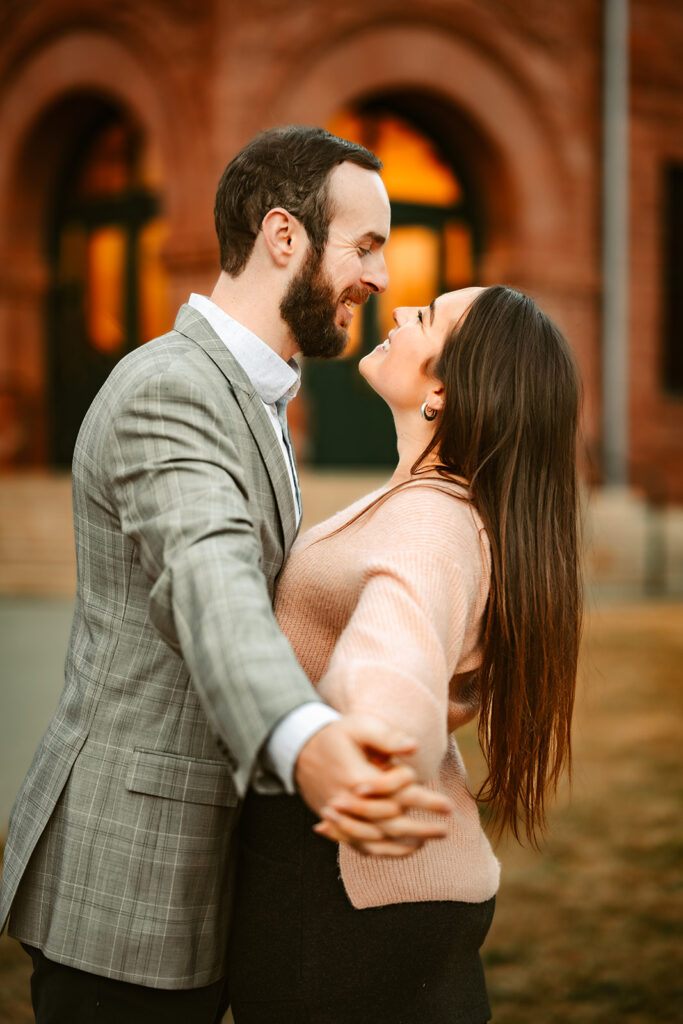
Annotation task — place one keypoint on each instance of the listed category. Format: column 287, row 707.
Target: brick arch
column 514, row 151
column 90, row 61
column 76, row 67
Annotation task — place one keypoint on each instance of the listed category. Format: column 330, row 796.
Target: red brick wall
column 517, row 83
column 656, row 140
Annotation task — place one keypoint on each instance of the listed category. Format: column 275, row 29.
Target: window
column 432, row 249
column 673, row 281
column 109, row 288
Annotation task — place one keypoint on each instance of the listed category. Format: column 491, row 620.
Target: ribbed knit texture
column 385, row 618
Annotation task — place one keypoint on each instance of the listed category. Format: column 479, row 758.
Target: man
column 180, row 690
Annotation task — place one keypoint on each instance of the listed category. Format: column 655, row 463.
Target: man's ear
column 283, row 235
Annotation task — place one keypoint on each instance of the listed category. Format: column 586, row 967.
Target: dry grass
column 588, row 931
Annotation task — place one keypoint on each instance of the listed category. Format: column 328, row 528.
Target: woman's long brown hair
column 509, row 426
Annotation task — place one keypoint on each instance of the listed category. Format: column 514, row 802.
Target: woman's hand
column 362, row 795
column 375, row 821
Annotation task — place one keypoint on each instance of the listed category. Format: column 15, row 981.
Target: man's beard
column 309, row 307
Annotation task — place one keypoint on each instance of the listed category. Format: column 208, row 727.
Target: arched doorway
column 58, row 90
column 107, row 289
column 521, row 167
column 434, row 247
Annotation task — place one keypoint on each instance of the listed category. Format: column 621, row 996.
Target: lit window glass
column 431, row 249
column 353, row 345
column 459, row 269
column 413, row 170
column 154, row 308
column 413, row 265
column 105, row 288
column 428, row 250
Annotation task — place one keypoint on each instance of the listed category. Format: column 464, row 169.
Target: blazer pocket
column 177, row 777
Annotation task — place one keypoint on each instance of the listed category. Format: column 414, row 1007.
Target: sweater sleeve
column 400, row 648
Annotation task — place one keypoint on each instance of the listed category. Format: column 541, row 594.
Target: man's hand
column 344, row 773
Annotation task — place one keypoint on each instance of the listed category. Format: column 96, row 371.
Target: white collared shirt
column 275, row 382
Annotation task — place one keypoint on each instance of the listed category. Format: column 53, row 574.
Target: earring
column 428, row 413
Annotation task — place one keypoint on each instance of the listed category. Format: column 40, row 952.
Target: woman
column 451, row 592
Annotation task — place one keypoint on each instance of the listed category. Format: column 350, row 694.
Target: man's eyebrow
column 432, row 311
column 373, row 237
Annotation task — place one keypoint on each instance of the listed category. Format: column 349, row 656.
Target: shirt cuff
column 292, row 733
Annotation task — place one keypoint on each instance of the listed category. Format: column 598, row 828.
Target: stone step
column 631, row 548
column 36, row 534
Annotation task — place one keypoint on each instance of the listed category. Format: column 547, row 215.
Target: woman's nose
column 401, row 314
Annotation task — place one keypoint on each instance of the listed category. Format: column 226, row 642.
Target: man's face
column 319, row 303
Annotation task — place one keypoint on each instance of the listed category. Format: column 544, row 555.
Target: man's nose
column 376, row 275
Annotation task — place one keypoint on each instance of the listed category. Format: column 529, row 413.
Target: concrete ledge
column 36, row 534
column 632, row 549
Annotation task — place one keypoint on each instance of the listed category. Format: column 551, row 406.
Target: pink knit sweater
column 385, row 617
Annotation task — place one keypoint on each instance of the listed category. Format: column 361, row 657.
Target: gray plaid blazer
column 120, row 848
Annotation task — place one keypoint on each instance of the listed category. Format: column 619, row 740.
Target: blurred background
column 536, row 143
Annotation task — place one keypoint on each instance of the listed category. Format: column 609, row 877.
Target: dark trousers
column 301, row 954
column 65, row 995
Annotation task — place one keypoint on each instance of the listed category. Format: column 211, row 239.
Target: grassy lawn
column 588, row 930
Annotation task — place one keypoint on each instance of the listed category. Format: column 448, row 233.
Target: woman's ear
column 283, row 235
column 436, row 397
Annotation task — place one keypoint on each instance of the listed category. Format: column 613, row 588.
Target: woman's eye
column 419, row 316
column 364, row 252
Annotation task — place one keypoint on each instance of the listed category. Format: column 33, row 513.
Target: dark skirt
column 302, row 954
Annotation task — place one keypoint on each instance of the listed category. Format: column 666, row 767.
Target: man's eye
column 419, row 316
column 363, row 252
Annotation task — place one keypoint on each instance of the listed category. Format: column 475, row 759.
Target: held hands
column 346, row 775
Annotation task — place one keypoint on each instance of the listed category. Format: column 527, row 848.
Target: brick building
column 116, row 120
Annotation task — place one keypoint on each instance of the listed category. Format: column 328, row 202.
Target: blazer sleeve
column 400, row 648
column 179, row 489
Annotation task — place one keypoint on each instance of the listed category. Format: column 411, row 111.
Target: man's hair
column 287, row 167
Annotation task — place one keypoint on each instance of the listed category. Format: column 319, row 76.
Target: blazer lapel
column 262, row 430
column 193, row 325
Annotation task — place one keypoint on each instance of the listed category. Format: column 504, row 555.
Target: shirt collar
column 272, row 377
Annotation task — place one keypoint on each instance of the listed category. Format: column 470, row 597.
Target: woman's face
column 400, row 368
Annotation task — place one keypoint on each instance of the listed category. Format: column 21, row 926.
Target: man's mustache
column 357, row 295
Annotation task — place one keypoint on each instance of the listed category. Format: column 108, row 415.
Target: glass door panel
column 431, row 249
column 413, row 258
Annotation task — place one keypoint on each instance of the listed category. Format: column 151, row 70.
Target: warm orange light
column 459, row 257
column 419, row 258
column 412, row 256
column 413, row 170
column 155, row 317
column 105, row 288
column 355, row 333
